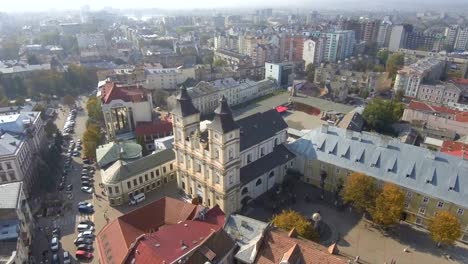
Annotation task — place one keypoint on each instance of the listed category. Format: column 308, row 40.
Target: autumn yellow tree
column 91, row 139
column 361, row 190
column 388, row 205
column 290, row 219
column 445, row 228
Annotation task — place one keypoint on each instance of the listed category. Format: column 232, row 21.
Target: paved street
column 358, row 238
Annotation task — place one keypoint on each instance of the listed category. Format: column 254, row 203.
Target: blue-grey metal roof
column 9, row 144
column 436, row 174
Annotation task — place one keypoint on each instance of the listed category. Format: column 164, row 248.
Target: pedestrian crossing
column 70, row 220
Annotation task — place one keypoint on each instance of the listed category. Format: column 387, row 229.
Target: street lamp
column 316, row 217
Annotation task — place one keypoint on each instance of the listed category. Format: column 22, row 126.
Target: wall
column 435, row 122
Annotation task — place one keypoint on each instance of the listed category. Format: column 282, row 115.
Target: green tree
column 93, row 107
column 219, row 63
column 10, row 48
column 382, row 56
column 360, row 190
column 394, row 63
column 310, row 72
column 381, row 114
column 445, row 228
column 399, row 94
column 388, row 205
column 91, row 139
column 50, row 129
column 290, row 219
column 50, row 38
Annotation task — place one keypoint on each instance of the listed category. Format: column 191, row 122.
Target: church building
column 228, row 162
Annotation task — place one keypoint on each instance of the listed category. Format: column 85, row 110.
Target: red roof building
column 127, row 93
column 164, row 221
column 454, row 148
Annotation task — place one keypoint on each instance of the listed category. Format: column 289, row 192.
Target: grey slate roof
column 247, row 232
column 259, row 127
column 223, row 121
column 9, row 144
column 279, row 156
column 9, row 195
column 122, row 170
column 184, row 106
column 438, row 175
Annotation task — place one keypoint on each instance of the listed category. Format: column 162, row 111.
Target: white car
column 87, row 189
column 86, row 234
column 54, row 244
column 85, row 204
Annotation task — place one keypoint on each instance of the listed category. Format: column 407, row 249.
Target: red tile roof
column 153, row 128
column 462, row 117
column 459, row 80
column 130, row 93
column 277, row 246
column 454, row 148
column 420, row 106
column 115, row 238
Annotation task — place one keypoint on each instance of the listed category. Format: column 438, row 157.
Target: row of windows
column 422, row 210
column 425, row 200
column 11, row 175
column 152, row 174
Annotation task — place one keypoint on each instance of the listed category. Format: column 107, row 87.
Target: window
column 216, row 153
column 109, row 190
column 135, row 183
column 198, row 167
column 244, row 191
column 152, row 174
column 217, row 178
column 231, row 179
column 271, row 175
column 153, row 185
column 171, row 167
column 141, row 179
column 146, row 177
column 157, row 172
column 249, row 158
column 409, row 194
column 259, row 181
column 129, row 184
column 276, row 142
column 3, row 176
column 158, row 183
column 12, row 175
column 460, row 211
column 425, row 199
column 117, row 189
column 230, row 154
column 261, row 152
column 440, row 204
column 164, row 169
column 422, row 210
column 1, row 167
column 337, row 170
column 8, row 164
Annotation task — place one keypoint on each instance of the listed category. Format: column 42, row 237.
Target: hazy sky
column 40, row 5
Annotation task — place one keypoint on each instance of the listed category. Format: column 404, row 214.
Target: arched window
column 244, row 191
column 271, row 175
column 259, row 181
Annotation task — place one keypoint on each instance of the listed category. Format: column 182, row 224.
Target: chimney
column 292, row 233
column 333, row 249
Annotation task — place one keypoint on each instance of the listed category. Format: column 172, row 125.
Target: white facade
column 169, row 78
column 397, row 38
column 383, row 35
column 461, row 42
column 451, row 34
column 308, row 54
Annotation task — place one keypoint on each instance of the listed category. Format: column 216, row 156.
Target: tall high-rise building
column 314, row 50
column 339, row 45
column 461, row 43
column 351, row 24
column 451, row 33
column 384, row 32
column 398, row 37
column 369, row 30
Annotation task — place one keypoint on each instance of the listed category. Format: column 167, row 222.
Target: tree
column 399, row 95
column 93, row 107
column 382, row 56
column 290, row 219
column 394, row 63
column 388, row 205
column 361, row 190
column 33, row 60
column 310, row 71
column 50, row 129
column 208, row 58
column 68, row 100
column 445, row 228
column 381, row 114
column 219, row 63
column 160, row 98
column 91, row 139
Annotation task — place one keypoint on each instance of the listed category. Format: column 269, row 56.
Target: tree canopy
column 91, row 139
column 394, row 63
column 310, row 71
column 290, row 219
column 445, row 228
column 389, row 205
column 93, row 107
column 361, row 190
column 381, row 114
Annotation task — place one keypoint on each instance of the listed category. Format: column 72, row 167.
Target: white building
column 231, row 162
column 461, row 43
column 169, row 78
column 313, row 51
column 21, row 139
column 282, row 73
column 410, row 77
column 451, row 33
column 383, row 35
column 16, row 224
column 397, row 38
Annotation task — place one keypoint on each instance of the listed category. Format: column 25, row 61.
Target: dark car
column 86, row 178
column 66, row 257
column 85, row 247
column 85, row 209
column 69, row 187
column 55, row 259
column 82, row 240
column 61, row 186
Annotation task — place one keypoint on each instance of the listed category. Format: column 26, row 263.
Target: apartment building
column 461, row 42
column 439, row 93
column 124, row 179
column 229, row 162
column 21, row 139
column 233, row 59
column 16, row 224
column 431, row 181
column 339, row 45
column 411, row 77
column 451, row 33
column 383, row 35
column 313, row 51
column 168, row 78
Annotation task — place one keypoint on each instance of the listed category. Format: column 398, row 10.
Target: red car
column 81, row 254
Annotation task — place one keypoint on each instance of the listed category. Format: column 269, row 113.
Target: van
column 137, row 198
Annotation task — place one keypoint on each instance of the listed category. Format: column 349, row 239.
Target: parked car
column 85, row 210
column 61, row 186
column 85, row 247
column 83, row 240
column 86, row 183
column 69, row 187
column 55, row 259
column 66, row 257
column 87, row 189
column 86, row 222
column 54, row 244
column 86, row 234
column 83, row 227
column 87, row 204
column 85, row 255
column 86, row 178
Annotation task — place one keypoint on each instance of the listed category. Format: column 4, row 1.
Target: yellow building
column 432, row 181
